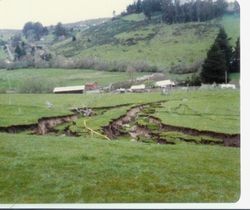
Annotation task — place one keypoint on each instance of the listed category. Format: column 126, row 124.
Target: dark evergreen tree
column 19, row 52
column 214, row 68
column 139, row 6
column 60, row 30
column 223, row 42
column 173, row 11
column 147, row 8
column 235, row 63
column 73, row 38
column 168, row 11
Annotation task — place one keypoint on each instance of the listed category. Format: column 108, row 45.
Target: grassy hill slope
column 132, row 39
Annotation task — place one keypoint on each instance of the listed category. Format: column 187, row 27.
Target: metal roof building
column 70, row 89
column 164, row 83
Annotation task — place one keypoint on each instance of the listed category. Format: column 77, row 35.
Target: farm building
column 165, row 84
column 138, row 88
column 69, row 90
column 91, row 86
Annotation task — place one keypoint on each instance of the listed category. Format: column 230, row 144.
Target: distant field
column 13, row 79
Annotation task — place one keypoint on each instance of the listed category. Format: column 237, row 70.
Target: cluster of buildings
column 94, row 88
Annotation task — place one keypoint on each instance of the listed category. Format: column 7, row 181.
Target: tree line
column 34, row 31
column 174, row 11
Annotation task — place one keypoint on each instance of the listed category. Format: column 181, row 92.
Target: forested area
column 178, row 12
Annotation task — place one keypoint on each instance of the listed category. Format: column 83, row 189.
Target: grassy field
column 76, row 170
column 59, row 169
column 27, row 108
column 215, row 111
column 16, row 79
column 212, row 110
column 131, row 39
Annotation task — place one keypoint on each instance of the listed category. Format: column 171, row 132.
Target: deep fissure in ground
column 137, row 123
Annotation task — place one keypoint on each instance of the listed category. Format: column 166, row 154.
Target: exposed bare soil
column 124, row 125
column 116, row 128
column 42, row 127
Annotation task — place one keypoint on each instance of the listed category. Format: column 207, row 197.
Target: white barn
column 69, row 89
column 138, row 88
column 165, row 83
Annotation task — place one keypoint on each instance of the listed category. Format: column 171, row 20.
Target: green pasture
column 132, row 39
column 27, row 108
column 76, row 170
column 17, row 79
column 59, row 169
column 217, row 110
column 214, row 111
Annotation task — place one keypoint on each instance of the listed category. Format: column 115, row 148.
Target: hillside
column 132, row 39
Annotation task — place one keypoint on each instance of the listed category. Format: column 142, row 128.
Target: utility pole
column 226, row 77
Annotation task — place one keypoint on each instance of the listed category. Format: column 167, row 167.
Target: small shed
column 91, row 86
column 138, row 88
column 69, row 90
column 165, row 84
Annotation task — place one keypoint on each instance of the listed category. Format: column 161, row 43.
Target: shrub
column 36, row 85
column 186, row 69
column 195, row 80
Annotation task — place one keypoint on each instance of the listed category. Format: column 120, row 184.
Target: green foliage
column 19, row 52
column 223, row 43
column 175, row 12
column 34, row 31
column 128, row 41
column 235, row 65
column 60, row 30
column 218, row 60
column 195, row 80
column 214, row 67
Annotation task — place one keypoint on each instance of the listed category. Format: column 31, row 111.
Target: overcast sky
column 15, row 13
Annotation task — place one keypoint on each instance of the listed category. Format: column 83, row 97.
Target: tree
column 60, row 30
column 73, row 38
column 139, row 6
column 214, row 68
column 34, row 31
column 147, row 8
column 235, row 63
column 223, row 42
column 19, row 51
column 218, row 61
column 168, row 9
